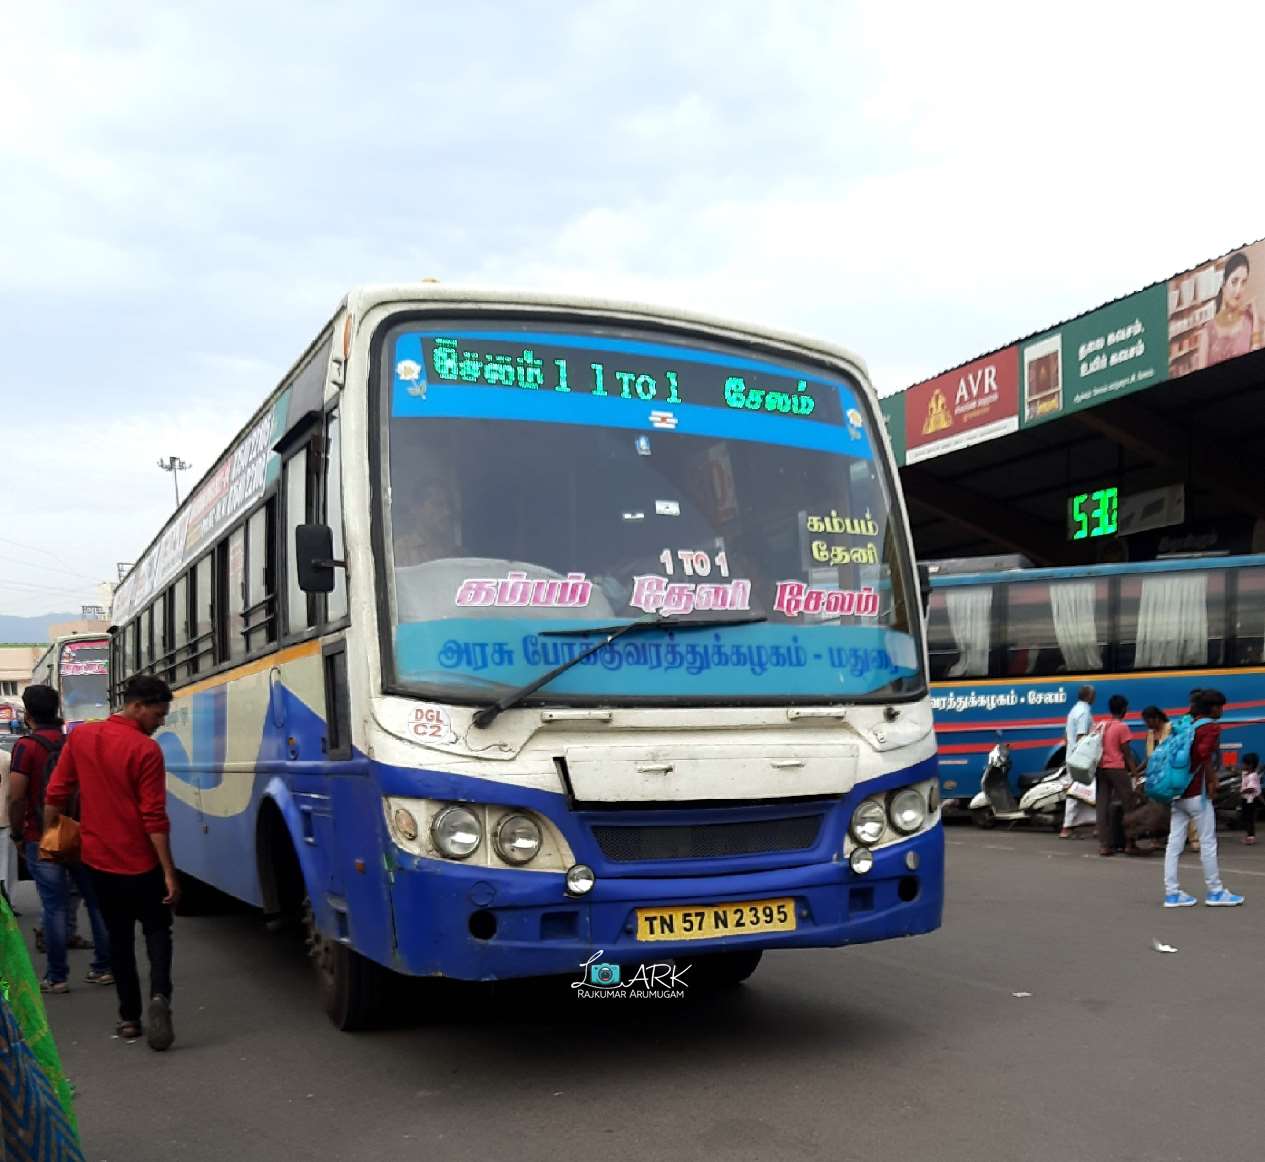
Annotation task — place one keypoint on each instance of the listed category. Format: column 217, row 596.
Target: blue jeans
column 52, row 882
column 1198, row 810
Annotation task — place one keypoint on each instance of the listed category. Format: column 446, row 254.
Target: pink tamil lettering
column 794, row 597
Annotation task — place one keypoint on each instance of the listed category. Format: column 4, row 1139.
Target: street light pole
column 175, row 466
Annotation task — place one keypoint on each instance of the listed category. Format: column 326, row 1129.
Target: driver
column 426, row 513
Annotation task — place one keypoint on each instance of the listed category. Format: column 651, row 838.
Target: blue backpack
column 1168, row 771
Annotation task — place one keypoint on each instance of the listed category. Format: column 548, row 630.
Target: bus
column 524, row 636
column 77, row 666
column 1010, row 649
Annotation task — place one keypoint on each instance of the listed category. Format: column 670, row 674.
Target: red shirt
column 122, row 791
column 1205, row 757
column 30, row 758
column 1115, row 737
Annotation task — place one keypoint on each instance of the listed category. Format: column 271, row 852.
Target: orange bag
column 60, row 843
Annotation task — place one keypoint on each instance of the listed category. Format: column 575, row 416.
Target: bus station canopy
column 1131, row 432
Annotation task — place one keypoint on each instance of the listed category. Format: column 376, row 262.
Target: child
column 1251, row 791
column 1195, row 805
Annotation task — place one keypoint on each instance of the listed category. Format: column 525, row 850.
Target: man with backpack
column 31, row 766
column 1200, row 733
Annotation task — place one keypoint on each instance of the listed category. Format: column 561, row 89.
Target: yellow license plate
column 708, row 921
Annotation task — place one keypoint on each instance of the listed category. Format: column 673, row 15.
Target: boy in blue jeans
column 1195, row 806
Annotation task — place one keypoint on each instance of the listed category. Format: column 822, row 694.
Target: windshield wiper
column 488, row 714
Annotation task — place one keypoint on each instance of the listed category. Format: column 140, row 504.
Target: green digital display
column 1093, row 514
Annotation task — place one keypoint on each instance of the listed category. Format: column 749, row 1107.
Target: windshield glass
column 540, row 479
column 85, row 681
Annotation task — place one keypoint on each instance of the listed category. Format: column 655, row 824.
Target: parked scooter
column 1041, row 796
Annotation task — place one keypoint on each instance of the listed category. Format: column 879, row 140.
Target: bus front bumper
column 475, row 923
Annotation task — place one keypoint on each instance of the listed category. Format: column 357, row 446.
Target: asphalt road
column 919, row 1048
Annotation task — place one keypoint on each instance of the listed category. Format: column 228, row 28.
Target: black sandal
column 129, row 1031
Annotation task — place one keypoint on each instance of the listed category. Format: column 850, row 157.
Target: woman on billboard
column 1233, row 330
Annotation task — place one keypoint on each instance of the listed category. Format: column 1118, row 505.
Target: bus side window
column 235, row 591
column 259, row 615
column 202, row 629
column 1249, row 618
column 959, row 631
column 1171, row 619
column 179, row 615
column 146, row 658
column 299, row 612
column 160, row 634
column 332, row 492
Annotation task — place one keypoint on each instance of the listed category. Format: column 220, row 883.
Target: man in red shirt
column 118, row 770
column 53, row 881
column 1115, row 771
column 1195, row 805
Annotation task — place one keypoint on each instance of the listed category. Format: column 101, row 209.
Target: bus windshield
column 83, row 670
column 540, row 480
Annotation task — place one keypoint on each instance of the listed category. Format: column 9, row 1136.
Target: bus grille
column 707, row 840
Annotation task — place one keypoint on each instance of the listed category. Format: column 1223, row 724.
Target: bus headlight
column 869, row 821
column 518, row 839
column 861, row 860
column 456, row 831
column 908, row 811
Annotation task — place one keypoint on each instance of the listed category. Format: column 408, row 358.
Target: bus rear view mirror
column 314, row 558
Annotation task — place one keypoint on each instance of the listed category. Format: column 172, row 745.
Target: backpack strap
column 51, row 750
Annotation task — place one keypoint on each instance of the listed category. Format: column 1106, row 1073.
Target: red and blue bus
column 1010, row 649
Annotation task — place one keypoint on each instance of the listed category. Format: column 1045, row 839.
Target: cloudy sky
column 187, row 190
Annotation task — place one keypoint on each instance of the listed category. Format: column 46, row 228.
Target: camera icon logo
column 604, row 975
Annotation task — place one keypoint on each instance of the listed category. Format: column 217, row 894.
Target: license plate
column 708, row 921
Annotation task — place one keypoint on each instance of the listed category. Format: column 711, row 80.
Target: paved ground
column 913, row 1049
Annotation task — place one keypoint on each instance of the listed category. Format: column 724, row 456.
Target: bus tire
column 351, row 986
column 725, row 970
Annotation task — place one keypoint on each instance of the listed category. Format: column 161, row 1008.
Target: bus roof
column 1074, row 572
column 361, row 300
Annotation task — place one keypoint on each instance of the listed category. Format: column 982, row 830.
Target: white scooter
column 1041, row 796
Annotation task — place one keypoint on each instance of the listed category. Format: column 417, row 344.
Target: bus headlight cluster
column 892, row 817
column 489, row 835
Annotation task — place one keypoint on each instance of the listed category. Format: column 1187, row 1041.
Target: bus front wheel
column 351, row 986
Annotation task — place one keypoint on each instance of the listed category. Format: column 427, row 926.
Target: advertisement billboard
column 974, row 403
column 1107, row 353
column 1216, row 311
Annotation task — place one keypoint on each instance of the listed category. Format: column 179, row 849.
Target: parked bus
column 1009, row 651
column 77, row 666
column 518, row 634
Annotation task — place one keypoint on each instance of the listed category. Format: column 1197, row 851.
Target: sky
column 186, row 192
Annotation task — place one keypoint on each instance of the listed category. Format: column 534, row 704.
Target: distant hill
column 31, row 629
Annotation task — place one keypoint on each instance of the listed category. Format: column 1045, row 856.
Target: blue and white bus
column 1009, row 651
column 516, row 630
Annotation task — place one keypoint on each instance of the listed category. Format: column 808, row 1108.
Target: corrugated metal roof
column 1072, row 318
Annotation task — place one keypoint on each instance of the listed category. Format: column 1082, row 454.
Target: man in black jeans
column 118, row 770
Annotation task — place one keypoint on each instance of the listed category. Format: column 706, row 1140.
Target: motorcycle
column 1041, row 796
